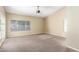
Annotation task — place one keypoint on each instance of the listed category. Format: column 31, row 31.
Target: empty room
column 39, row 29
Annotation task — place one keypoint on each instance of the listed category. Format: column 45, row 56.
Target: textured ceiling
column 31, row 10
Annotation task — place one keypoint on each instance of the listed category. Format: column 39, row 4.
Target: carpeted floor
column 35, row 43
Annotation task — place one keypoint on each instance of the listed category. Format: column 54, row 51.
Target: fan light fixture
column 37, row 11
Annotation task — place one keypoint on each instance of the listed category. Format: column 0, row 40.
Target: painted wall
column 55, row 23
column 3, row 26
column 36, row 23
column 73, row 26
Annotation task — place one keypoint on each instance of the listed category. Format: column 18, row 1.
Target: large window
column 20, row 25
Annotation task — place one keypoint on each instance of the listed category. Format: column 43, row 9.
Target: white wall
column 73, row 26
column 37, row 25
column 55, row 23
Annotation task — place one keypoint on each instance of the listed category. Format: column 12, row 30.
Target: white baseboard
column 1, row 43
column 25, row 35
column 56, row 35
column 72, row 48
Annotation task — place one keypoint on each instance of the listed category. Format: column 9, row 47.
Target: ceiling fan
column 38, row 10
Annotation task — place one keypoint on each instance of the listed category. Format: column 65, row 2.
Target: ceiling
column 31, row 10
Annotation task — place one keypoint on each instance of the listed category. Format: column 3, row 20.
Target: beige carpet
column 35, row 43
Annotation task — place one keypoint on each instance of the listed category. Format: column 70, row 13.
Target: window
column 20, row 25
